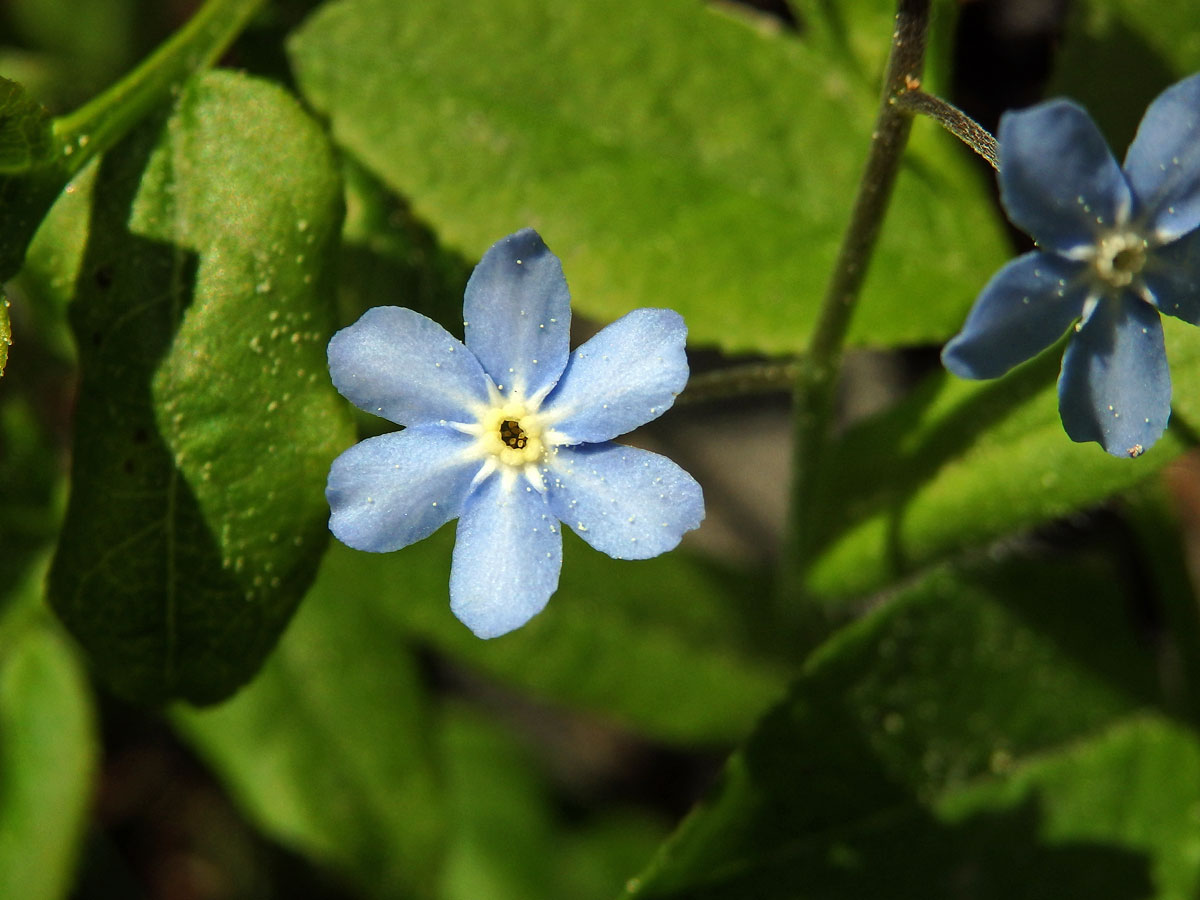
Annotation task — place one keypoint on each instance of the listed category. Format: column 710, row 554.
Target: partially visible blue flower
column 510, row 434
column 1119, row 245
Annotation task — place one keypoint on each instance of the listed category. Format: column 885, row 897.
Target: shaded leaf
column 205, row 421
column 926, row 751
column 31, row 172
column 48, row 750
column 510, row 840
column 669, row 154
column 672, row 646
column 26, row 139
column 1118, row 55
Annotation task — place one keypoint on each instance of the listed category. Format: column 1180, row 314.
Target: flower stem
column 817, row 372
column 105, row 119
column 954, row 120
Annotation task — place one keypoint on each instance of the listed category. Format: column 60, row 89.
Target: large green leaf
column 671, row 155
column 986, row 736
column 205, row 422
column 48, row 750
column 969, row 462
column 673, row 646
column 330, row 749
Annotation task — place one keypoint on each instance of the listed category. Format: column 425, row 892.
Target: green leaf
column 330, row 748
column 26, row 138
column 927, row 751
column 38, row 156
column 390, row 258
column 205, row 421
column 48, row 750
column 1117, row 55
column 30, row 174
column 970, row 462
column 671, row 155
column 673, row 646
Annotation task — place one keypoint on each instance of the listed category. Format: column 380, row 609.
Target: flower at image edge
column 510, row 433
column 1118, row 245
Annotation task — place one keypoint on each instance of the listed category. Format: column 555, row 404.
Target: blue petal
column 1024, row 309
column 506, row 559
column 518, row 314
column 1163, row 162
column 1115, row 388
column 628, row 503
column 1172, row 274
column 398, row 364
column 395, row 489
column 1058, row 179
column 626, row 375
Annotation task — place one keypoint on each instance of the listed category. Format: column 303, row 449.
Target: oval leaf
column 205, row 421
column 671, row 155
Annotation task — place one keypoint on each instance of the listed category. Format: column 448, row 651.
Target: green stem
column 105, row 119
column 955, row 121
column 817, row 374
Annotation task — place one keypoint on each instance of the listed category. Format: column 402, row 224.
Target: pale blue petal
column 398, row 364
column 1115, row 388
column 1172, row 274
column 626, row 375
column 517, row 314
column 506, row 557
column 1024, row 309
column 1058, row 179
column 628, row 503
column 395, row 489
column 1163, row 162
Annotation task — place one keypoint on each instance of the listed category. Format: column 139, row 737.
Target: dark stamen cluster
column 513, row 435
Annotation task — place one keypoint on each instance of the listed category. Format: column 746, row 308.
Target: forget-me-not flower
column 1118, row 245
column 511, row 434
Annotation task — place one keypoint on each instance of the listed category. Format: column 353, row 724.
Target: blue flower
column 1119, row 245
column 510, row 433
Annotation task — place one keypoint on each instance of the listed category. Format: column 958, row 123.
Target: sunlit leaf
column 669, row 154
column 205, row 422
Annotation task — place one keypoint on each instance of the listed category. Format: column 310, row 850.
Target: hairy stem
column 817, row 371
column 954, row 120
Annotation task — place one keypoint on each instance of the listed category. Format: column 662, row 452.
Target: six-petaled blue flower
column 1118, row 246
column 510, row 434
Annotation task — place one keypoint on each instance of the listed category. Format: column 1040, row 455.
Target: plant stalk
column 817, row 370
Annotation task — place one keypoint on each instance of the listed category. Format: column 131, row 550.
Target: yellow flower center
column 512, row 435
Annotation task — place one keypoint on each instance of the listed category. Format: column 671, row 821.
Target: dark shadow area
column 826, row 821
